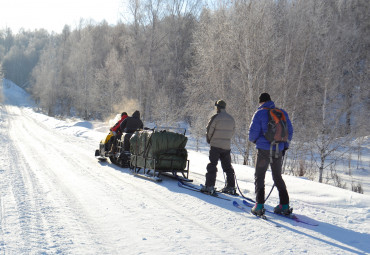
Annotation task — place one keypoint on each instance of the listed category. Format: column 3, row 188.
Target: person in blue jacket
column 257, row 130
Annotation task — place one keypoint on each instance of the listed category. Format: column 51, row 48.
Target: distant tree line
column 175, row 58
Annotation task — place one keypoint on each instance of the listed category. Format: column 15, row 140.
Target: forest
column 173, row 59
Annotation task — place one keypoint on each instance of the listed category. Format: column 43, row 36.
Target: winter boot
column 283, row 209
column 210, row 190
column 258, row 209
column 229, row 190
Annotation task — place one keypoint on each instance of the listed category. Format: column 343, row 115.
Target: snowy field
column 56, row 198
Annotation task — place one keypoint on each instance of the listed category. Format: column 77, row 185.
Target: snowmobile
column 153, row 152
column 119, row 153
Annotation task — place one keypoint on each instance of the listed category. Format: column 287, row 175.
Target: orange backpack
column 277, row 129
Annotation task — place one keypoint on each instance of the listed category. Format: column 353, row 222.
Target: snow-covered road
column 56, row 198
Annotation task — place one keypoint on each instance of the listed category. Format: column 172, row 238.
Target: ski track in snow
column 56, row 198
column 32, row 195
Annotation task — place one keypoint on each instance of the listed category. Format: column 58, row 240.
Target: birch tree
column 44, row 87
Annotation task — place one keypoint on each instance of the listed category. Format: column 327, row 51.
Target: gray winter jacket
column 220, row 130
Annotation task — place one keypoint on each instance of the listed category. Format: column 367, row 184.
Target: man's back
column 131, row 124
column 221, row 129
column 259, row 127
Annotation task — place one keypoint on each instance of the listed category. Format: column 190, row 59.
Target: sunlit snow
column 56, row 198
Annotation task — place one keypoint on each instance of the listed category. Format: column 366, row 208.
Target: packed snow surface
column 57, row 198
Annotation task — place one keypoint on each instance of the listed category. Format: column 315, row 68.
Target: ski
column 238, row 195
column 237, row 205
column 261, row 217
column 197, row 189
column 217, row 192
column 190, row 185
column 291, row 216
column 148, row 177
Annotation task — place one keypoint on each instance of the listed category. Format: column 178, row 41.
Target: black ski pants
column 216, row 154
column 262, row 163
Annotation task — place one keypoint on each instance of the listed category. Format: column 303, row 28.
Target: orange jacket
column 115, row 128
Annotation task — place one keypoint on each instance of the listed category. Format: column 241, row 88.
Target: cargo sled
column 160, row 151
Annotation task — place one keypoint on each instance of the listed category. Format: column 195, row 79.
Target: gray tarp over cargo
column 160, row 150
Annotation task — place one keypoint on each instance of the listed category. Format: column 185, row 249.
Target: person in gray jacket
column 220, row 130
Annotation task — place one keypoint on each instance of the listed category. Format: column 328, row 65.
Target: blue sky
column 54, row 14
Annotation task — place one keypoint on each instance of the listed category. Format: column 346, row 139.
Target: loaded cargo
column 159, row 152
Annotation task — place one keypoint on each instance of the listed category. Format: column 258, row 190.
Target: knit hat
column 264, row 97
column 220, row 104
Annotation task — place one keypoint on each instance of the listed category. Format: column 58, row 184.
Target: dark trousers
column 263, row 161
column 126, row 141
column 216, row 154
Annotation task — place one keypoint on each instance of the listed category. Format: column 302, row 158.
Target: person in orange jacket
column 115, row 128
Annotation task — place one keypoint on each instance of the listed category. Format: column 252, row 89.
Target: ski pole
column 240, row 192
column 247, row 198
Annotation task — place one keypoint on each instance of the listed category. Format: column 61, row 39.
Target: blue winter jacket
column 259, row 126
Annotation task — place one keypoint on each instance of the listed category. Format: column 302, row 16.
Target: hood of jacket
column 268, row 104
column 136, row 115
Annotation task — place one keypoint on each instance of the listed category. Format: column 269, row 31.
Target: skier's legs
column 214, row 156
column 278, row 179
column 228, row 168
column 262, row 164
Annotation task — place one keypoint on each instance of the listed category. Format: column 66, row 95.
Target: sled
column 159, row 152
